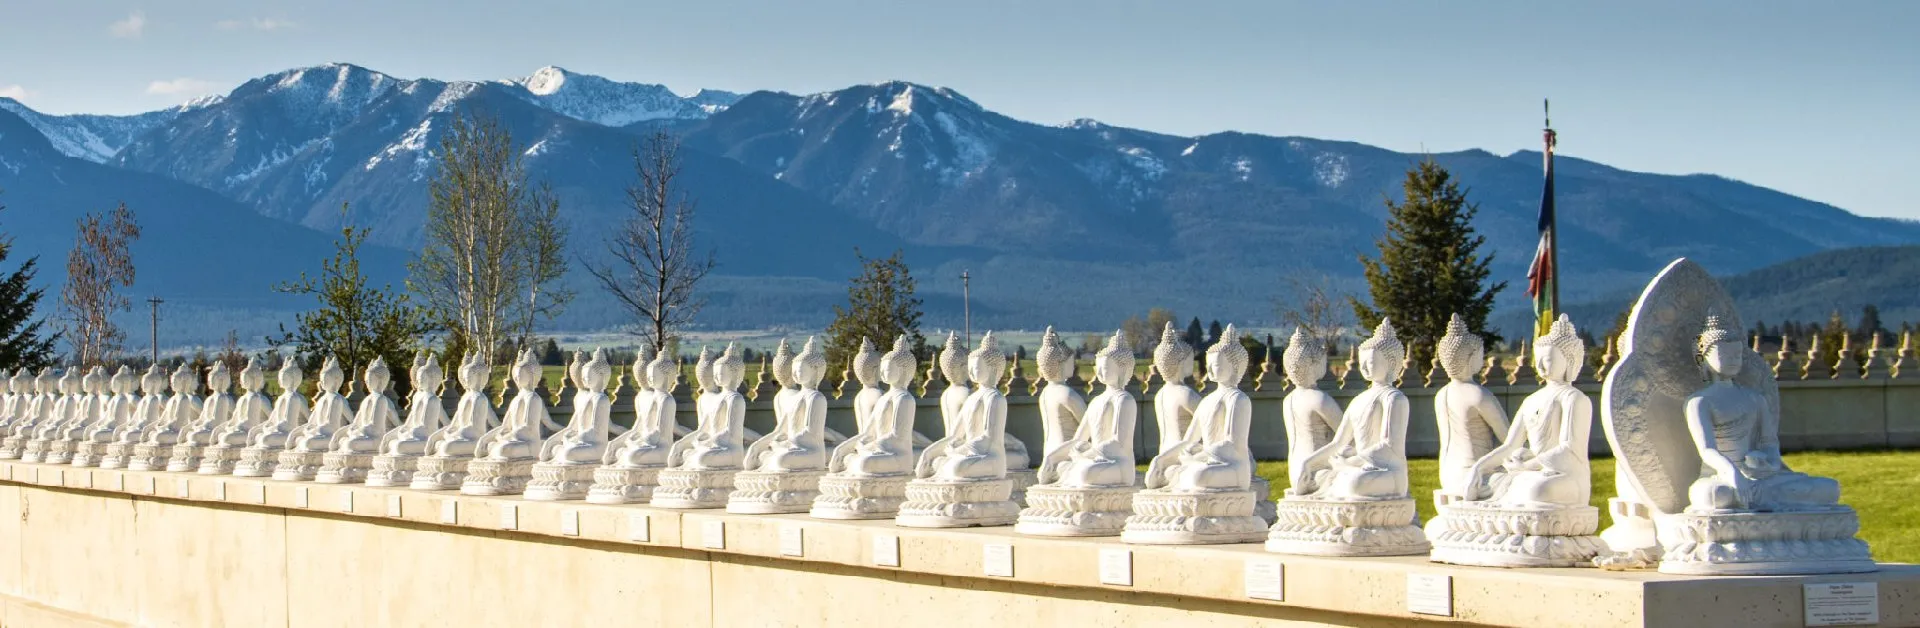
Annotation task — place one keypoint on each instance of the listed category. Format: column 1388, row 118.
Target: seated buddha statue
column 425, row 414
column 976, row 448
column 518, row 435
column 799, row 444
column 1213, row 454
column 1311, row 415
column 885, row 446
column 472, row 417
column 1544, row 458
column 1736, row 430
column 1470, row 418
column 1367, row 460
column 1061, row 407
column 1100, row 452
column 330, row 412
column 717, row 442
column 373, row 419
column 585, row 439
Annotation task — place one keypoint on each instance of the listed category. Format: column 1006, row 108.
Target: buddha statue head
column 593, row 376
column 1054, row 360
column 183, row 382
column 377, row 376
column 783, row 364
column 66, row 383
column 987, row 363
column 526, row 371
column 1382, row 357
column 331, row 375
column 574, row 373
column 473, row 373
column 810, row 366
column 123, row 381
column 663, row 373
column 897, row 366
column 20, row 382
column 1113, row 365
column 953, row 361
column 703, row 372
column 1227, row 360
column 642, row 360
column 290, row 376
column 252, row 378
column 1462, row 353
column 413, row 370
column 219, row 379
column 427, row 376
column 866, row 364
column 154, row 382
column 1305, row 360
column 1559, row 355
column 730, row 369
column 1719, row 350
column 1173, row 358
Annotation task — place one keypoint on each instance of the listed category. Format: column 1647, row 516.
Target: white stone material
column 1198, row 491
column 1353, row 498
column 701, row 465
column 868, row 474
column 782, row 469
column 570, row 456
column 73, row 390
column 266, row 440
column 961, row 479
column 504, row 456
column 231, row 436
column 13, row 410
column 1470, row 418
column 350, row 455
column 1693, row 419
column 634, row 460
column 215, row 410
column 308, row 445
column 183, row 408
column 32, row 411
column 1524, row 503
column 400, row 448
column 93, row 444
column 452, row 447
column 1087, row 483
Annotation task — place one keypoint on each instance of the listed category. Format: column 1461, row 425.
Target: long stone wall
column 94, row 547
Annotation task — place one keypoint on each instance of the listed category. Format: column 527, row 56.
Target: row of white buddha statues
column 1703, row 488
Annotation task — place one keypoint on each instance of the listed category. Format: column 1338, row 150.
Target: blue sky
column 1816, row 99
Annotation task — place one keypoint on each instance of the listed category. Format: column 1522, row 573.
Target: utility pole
column 155, row 302
column 966, row 305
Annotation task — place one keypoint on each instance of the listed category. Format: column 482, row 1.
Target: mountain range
column 1069, row 224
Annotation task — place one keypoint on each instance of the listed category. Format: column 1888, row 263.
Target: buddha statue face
column 1227, row 360
column 595, row 374
column 729, row 370
column 1174, row 357
column 182, row 381
column 473, row 373
column 783, row 364
column 251, row 378
column 1305, row 360
column 954, row 361
column 1559, row 355
column 331, row 377
column 1382, row 357
column 866, row 364
column 1054, row 359
column 642, row 361
column 1113, row 366
column 219, row 379
column 810, row 366
column 1720, row 351
column 663, row 373
column 703, row 371
column 428, row 377
column 986, row 363
column 526, row 371
column 377, row 376
column 897, row 366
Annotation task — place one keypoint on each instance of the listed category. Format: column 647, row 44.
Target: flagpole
column 1553, row 226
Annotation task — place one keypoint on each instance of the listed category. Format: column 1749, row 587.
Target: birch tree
column 99, row 265
column 654, row 271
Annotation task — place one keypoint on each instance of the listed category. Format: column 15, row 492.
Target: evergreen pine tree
column 880, row 307
column 1430, row 266
column 1213, row 335
column 354, row 321
column 21, row 345
column 1195, row 336
column 1869, row 324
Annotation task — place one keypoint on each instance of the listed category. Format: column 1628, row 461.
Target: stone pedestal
column 487, row 476
column 343, row 468
column 1763, row 544
column 624, row 485
column 92, row 454
column 218, row 460
column 772, row 493
column 854, row 497
column 256, row 462
column 935, row 504
column 148, row 457
column 557, row 482
column 61, row 452
column 1318, row 527
column 1263, row 504
column 392, row 470
column 440, row 473
column 1055, row 511
column 1162, row 517
column 1022, row 479
column 299, row 466
column 1488, row 535
column 34, row 450
column 694, row 488
column 12, row 447
column 186, row 458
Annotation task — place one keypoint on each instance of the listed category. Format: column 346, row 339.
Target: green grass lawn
column 1881, row 485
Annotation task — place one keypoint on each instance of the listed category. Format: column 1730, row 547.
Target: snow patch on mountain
column 94, row 138
column 1330, row 169
column 1244, row 167
column 453, row 93
column 612, row 103
column 1149, row 166
column 902, row 102
column 971, row 153
column 280, row 154
column 414, row 141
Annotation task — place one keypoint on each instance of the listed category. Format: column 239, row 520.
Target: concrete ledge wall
column 97, row 547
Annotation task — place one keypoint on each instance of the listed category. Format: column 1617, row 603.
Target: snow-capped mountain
column 612, row 103
column 95, row 138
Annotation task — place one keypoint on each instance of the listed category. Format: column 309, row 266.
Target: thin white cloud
column 129, row 28
column 258, row 24
column 16, row 92
column 182, row 87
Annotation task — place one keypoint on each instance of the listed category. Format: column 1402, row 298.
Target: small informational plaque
column 393, row 506
column 1842, row 604
column 509, row 517
column 639, row 528
column 1265, row 580
column 1116, row 567
column 301, row 497
column 1430, row 594
column 450, row 512
column 713, row 534
column 792, row 540
column 996, row 559
column 220, row 490
column 182, row 488
column 346, row 501
column 570, row 522
column 886, row 550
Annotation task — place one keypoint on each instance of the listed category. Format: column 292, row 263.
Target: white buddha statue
column 503, row 459
column 632, row 466
column 13, row 408
column 1061, row 407
column 26, row 410
column 97, row 403
column 866, row 370
column 961, row 479
column 308, row 445
column 1198, row 489
column 400, row 448
column 1737, row 431
column 782, row 469
column 51, row 412
column 569, row 457
column 183, row 409
column 231, row 436
column 1087, row 483
column 111, row 441
column 1311, row 415
column 1360, row 505
column 215, row 409
column 268, row 439
column 702, row 465
column 1470, row 417
column 452, row 448
column 869, row 472
column 1174, row 403
column 349, row 455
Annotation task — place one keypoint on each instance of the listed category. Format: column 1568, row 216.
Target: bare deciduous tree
column 655, row 272
column 492, row 256
column 99, row 265
column 1313, row 304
